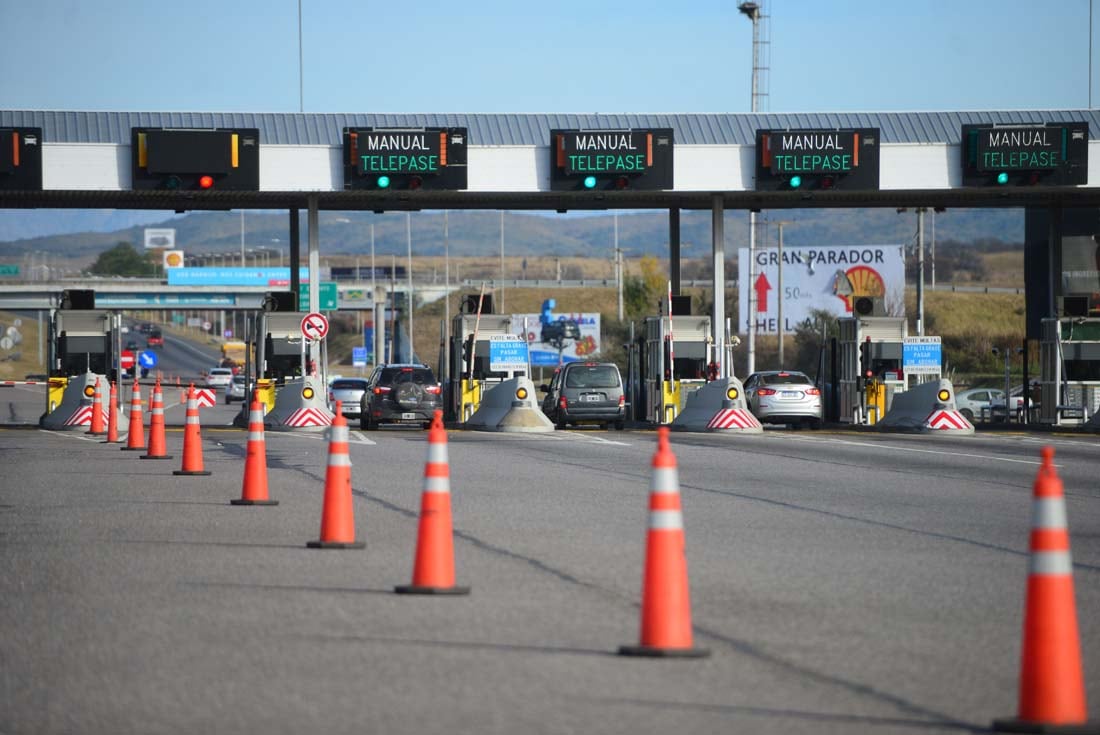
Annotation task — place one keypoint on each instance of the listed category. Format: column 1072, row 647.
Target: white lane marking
column 354, row 437
column 82, row 436
column 876, row 445
column 557, row 436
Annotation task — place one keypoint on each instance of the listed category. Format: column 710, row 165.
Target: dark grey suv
column 585, row 392
column 400, row 394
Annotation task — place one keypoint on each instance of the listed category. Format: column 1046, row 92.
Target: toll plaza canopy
column 400, row 162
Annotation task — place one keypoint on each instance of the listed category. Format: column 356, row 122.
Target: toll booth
column 870, row 368
column 1069, row 371
column 83, row 343
column 468, row 370
column 672, row 357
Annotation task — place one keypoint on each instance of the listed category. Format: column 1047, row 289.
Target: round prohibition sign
column 314, row 326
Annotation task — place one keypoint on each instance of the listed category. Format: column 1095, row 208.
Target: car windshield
column 238, row 380
column 221, row 371
column 592, row 376
column 784, row 379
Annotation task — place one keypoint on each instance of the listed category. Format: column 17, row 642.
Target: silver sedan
column 784, row 397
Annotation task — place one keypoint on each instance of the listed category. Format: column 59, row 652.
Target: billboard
column 823, row 278
column 542, row 354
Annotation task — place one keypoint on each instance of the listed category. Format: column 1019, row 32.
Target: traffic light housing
column 611, row 160
column 817, row 159
column 865, row 371
column 1038, row 154
column 20, row 159
column 195, row 160
column 405, row 159
column 74, row 299
column 281, row 301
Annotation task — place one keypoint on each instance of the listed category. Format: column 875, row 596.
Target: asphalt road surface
column 844, row 583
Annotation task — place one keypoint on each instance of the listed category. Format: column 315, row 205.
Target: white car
column 218, row 377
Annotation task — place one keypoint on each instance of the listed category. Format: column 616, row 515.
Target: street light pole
column 242, row 239
column 500, row 295
column 751, row 10
column 779, row 296
column 409, row 244
column 920, row 268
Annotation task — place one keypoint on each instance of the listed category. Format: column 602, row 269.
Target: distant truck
column 234, row 354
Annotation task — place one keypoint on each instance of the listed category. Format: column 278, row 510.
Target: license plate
column 408, row 416
column 789, row 394
column 591, row 398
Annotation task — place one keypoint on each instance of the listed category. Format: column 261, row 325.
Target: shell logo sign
column 173, row 259
column 856, row 282
column 817, row 279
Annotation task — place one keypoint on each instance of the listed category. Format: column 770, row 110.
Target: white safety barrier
column 512, row 406
column 925, row 408
column 718, row 406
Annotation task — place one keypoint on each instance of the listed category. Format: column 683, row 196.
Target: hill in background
column 477, row 233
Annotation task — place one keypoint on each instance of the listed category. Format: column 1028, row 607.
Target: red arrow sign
column 762, row 287
column 126, row 359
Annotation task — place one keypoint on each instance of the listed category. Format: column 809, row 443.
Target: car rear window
column 420, row 376
column 786, row 379
column 220, row 371
column 348, row 384
column 592, row 376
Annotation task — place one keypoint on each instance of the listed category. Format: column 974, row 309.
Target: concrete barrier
column 925, row 408
column 300, row 405
column 74, row 412
column 719, row 407
column 511, row 406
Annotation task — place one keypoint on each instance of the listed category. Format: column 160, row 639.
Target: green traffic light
column 589, row 182
column 383, row 182
column 1002, row 178
column 796, row 181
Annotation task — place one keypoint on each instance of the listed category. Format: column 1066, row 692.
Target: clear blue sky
column 560, row 56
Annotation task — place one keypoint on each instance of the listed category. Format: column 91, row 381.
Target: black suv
column 400, row 394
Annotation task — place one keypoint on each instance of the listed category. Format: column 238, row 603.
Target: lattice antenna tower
column 757, row 12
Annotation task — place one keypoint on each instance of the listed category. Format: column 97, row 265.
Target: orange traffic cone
column 254, row 487
column 434, row 568
column 97, row 428
column 112, row 417
column 157, row 445
column 192, row 439
column 666, row 607
column 135, row 440
column 1052, row 690
column 337, row 519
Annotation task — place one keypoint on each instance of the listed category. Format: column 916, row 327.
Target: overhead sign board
column 359, row 356
column 390, row 158
column 638, row 158
column 195, row 160
column 797, row 160
column 327, row 297
column 20, row 159
column 543, row 354
column 507, row 352
column 921, row 355
column 828, row 279
column 160, row 238
column 1051, row 154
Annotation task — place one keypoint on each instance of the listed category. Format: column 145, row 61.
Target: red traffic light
column 415, row 182
column 622, row 182
column 206, row 182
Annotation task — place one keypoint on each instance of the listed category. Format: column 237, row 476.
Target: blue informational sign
column 922, row 356
column 147, row 359
column 277, row 278
column 507, row 352
column 359, row 356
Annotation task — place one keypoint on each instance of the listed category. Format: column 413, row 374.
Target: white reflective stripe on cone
column 666, row 480
column 1052, row 563
column 255, row 436
column 338, row 434
column 666, row 520
column 339, row 460
column 1048, row 513
column 437, row 452
column 437, row 484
